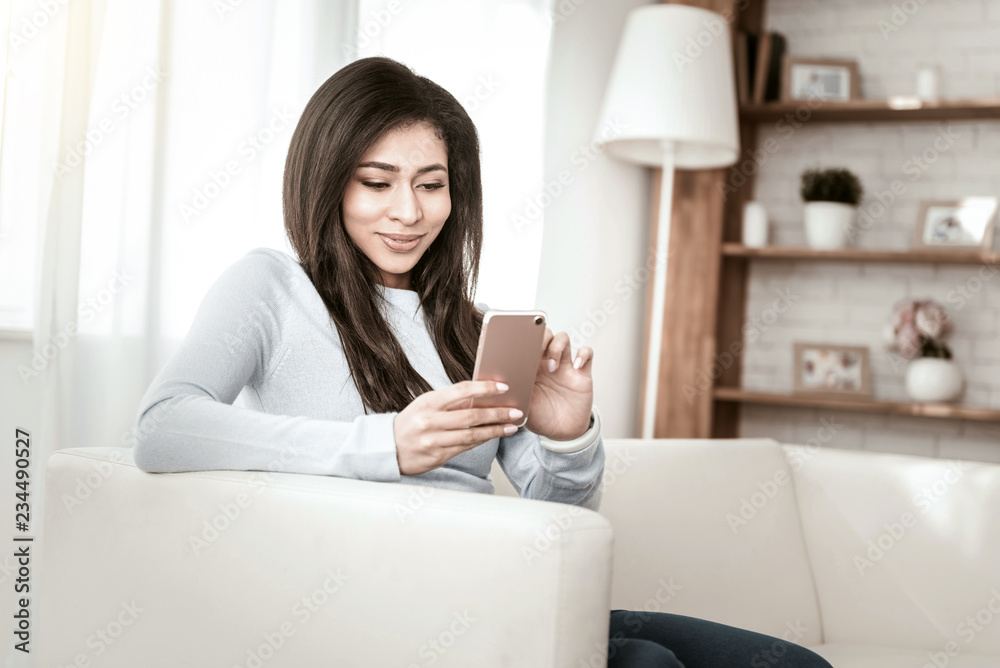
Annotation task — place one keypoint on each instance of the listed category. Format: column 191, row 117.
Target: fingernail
column 577, row 363
column 509, row 429
column 503, row 387
column 552, row 365
column 515, row 413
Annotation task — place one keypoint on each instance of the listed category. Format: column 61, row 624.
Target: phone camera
column 539, row 320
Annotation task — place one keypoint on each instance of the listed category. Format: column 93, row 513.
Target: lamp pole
column 659, row 290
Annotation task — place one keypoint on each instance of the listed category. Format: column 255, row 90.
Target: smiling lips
column 401, row 242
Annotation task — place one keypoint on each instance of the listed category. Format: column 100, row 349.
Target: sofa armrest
column 216, row 568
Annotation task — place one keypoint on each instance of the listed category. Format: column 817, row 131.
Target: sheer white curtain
column 143, row 144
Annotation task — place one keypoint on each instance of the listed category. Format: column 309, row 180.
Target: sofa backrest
column 708, row 529
column 905, row 550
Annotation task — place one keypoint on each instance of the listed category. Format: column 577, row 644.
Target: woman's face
column 400, row 189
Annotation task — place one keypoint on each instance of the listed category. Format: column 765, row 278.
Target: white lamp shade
column 672, row 81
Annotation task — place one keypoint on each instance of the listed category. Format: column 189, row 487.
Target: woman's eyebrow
column 393, row 168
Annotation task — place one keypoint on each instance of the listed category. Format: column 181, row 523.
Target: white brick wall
column 849, row 303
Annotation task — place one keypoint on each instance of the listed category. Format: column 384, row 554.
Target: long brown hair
column 343, row 119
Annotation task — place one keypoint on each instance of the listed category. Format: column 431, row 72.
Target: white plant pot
column 933, row 379
column 828, row 224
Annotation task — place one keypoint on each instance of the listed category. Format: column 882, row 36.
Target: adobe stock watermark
column 149, row 423
column 752, row 504
column 634, row 620
column 769, row 657
column 248, row 335
column 101, row 640
column 626, row 286
column 223, row 8
column 915, row 167
column 414, row 502
column 34, row 23
column 562, row 520
column 371, row 26
column 751, row 331
column 899, row 16
column 87, row 485
column 212, row 528
column 551, row 533
column 712, row 28
column 786, row 127
column 302, row 611
column 121, row 109
column 86, row 311
column 563, row 9
column 220, row 179
column 967, row 630
column 438, row 646
column 963, row 293
column 896, row 530
column 581, row 159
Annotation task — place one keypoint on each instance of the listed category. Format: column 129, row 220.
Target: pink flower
column 904, row 313
column 931, row 320
column 915, row 324
column 908, row 341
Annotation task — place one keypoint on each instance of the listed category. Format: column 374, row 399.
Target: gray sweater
column 263, row 330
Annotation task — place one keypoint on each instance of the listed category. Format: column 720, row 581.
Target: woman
column 357, row 356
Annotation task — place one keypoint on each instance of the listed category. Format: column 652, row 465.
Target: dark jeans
column 640, row 639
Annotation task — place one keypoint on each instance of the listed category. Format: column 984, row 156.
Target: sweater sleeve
column 186, row 420
column 537, row 473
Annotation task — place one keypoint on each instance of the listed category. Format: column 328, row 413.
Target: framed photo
column 964, row 224
column 820, row 78
column 826, row 368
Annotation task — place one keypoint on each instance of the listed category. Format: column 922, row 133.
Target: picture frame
column 956, row 225
column 837, row 80
column 832, row 370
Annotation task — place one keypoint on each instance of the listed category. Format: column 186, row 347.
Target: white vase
column 828, row 224
column 754, row 225
column 933, row 379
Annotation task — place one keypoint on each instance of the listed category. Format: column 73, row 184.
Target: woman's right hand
column 432, row 429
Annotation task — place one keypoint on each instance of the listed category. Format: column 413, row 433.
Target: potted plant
column 917, row 332
column 831, row 196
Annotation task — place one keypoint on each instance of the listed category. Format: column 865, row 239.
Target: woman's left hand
column 561, row 399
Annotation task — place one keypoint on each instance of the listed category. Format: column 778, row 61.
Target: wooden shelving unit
column 705, row 310
column 860, row 111
column 734, row 249
column 952, row 411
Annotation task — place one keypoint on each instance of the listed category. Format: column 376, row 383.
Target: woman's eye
column 375, row 185
column 432, row 186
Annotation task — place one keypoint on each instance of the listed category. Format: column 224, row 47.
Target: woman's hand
column 435, row 427
column 562, row 398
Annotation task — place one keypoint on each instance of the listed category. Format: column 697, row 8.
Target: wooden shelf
column 952, row 411
column 860, row 255
column 860, row 111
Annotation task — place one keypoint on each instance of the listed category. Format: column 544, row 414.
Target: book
column 742, row 68
column 772, row 91
column 771, row 47
column 761, row 67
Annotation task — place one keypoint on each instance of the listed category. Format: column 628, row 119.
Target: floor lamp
column 670, row 103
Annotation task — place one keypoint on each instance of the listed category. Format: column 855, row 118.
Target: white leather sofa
column 871, row 560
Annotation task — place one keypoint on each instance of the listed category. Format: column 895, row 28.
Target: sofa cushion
column 872, row 656
column 709, row 530
column 905, row 550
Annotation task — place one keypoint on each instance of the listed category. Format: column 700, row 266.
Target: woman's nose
column 404, row 206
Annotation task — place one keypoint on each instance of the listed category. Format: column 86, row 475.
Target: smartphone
column 510, row 349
